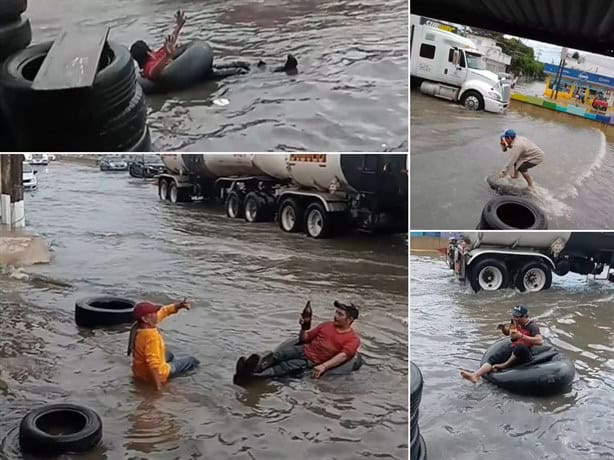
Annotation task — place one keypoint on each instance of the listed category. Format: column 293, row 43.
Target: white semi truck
column 449, row 66
column 526, row 260
column 320, row 194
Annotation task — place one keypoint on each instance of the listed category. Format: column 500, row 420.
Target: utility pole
column 11, row 190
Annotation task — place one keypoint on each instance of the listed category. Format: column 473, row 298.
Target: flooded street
column 453, row 151
column 451, row 328
column 111, row 235
column 350, row 93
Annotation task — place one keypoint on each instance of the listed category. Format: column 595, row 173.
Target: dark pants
column 526, row 166
column 288, row 360
column 180, row 366
column 521, row 352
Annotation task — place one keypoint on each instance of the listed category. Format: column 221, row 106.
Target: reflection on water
column 451, row 328
column 110, row 234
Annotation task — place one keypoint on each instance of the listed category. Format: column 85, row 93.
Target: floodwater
column 451, row 328
column 453, row 151
column 350, row 93
column 111, row 235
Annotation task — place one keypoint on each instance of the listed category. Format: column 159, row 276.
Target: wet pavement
column 453, row 151
column 110, row 234
column 350, row 93
column 451, row 328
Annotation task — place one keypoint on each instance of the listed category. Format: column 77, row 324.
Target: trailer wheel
column 234, row 205
column 318, row 222
column 472, row 100
column 178, row 195
column 488, row 275
column 534, row 277
column 257, row 207
column 163, row 189
column 290, row 215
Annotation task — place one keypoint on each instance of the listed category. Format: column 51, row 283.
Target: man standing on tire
column 324, row 347
column 523, row 333
column 525, row 155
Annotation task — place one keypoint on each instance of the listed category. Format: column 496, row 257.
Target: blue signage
column 575, row 74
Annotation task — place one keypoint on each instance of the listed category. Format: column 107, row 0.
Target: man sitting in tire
column 525, row 155
column 523, row 333
column 328, row 345
column 152, row 63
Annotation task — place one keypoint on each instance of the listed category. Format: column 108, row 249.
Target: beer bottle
column 513, row 327
column 307, row 314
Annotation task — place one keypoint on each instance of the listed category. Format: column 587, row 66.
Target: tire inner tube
column 548, row 373
column 346, row 368
column 507, row 185
column 187, row 69
column 104, row 311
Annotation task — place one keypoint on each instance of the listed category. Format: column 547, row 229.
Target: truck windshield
column 475, row 61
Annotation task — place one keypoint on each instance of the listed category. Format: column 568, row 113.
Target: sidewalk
column 21, row 249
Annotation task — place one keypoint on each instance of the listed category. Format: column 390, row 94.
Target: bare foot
column 469, row 376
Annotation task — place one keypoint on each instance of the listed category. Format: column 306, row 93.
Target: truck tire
column 177, row 194
column 257, row 207
column 472, row 100
column 103, row 311
column 234, row 205
column 11, row 9
column 534, row 276
column 14, row 36
column 512, row 213
column 163, row 189
column 290, row 215
column 56, row 429
column 317, row 221
column 489, row 275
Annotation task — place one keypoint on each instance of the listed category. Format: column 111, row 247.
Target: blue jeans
column 180, row 366
column 288, row 360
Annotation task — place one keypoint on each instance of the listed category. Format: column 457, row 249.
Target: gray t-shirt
column 523, row 150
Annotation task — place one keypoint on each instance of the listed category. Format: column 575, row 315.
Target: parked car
column 113, row 164
column 147, row 166
column 28, row 177
column 51, row 156
column 40, row 159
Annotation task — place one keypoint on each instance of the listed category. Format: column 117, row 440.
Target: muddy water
column 350, row 93
column 454, row 150
column 452, row 327
column 109, row 234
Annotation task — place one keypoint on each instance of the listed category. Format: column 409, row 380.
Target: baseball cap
column 351, row 310
column 520, row 310
column 509, row 133
column 144, row 308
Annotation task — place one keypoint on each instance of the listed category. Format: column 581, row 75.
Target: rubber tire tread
column 14, row 36
column 10, row 10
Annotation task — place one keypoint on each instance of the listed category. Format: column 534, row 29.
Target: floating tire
column 57, row 429
column 14, row 36
column 10, row 10
column 290, row 215
column 417, row 447
column 104, row 311
column 416, row 382
column 488, row 274
column 512, row 213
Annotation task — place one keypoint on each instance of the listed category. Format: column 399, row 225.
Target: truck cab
column 451, row 67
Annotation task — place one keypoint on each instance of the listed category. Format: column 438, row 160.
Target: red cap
column 144, row 308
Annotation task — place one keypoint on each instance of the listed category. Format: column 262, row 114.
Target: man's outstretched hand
column 180, row 18
column 185, row 304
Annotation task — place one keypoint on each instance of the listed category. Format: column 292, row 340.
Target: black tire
column 234, row 205
column 469, row 96
column 413, row 426
column 14, row 36
column 290, row 215
column 178, row 194
column 513, row 213
column 103, row 311
column 42, row 119
column 38, row 430
column 534, row 276
column 163, row 187
column 144, row 144
column 10, row 10
column 257, row 207
column 416, row 383
column 317, row 221
column 486, row 269
column 133, row 173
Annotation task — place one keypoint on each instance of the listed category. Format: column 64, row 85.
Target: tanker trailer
column 319, row 194
column 526, row 260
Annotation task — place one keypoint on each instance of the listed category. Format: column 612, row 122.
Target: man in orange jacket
column 150, row 362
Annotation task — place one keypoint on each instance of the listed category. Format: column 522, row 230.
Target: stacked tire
column 417, row 445
column 15, row 35
column 110, row 116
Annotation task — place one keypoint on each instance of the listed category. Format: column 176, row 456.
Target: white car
column 40, row 159
column 28, row 178
column 51, row 156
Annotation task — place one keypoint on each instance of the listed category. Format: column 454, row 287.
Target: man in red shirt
column 152, row 63
column 328, row 345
